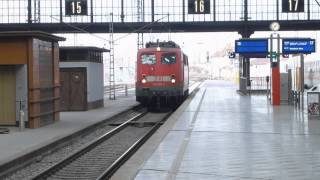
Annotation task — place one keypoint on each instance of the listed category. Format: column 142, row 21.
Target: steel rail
column 47, row 173
column 125, row 156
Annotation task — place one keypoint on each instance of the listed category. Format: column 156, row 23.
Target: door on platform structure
column 7, row 95
column 73, row 89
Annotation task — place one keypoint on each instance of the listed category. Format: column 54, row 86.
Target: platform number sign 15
column 292, row 6
column 198, row 6
column 76, row 7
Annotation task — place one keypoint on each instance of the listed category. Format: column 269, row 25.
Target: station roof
column 88, row 48
column 35, row 34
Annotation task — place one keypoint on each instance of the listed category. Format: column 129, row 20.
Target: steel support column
column 308, row 10
column 122, row 11
column 302, row 80
column 245, row 33
column 29, row 12
column 61, row 19
column 183, row 11
column 91, row 9
column 214, row 10
column 152, row 10
column 277, row 10
column 275, row 66
column 245, row 64
column 245, row 10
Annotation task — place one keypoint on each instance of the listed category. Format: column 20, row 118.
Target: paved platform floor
column 223, row 135
column 16, row 144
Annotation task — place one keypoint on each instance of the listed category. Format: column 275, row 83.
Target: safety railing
column 258, row 83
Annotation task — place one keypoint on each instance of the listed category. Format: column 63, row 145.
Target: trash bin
column 313, row 100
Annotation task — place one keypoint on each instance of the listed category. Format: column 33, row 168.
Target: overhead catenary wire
column 81, row 30
column 140, row 29
column 104, row 39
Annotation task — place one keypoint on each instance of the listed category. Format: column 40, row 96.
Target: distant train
column 162, row 74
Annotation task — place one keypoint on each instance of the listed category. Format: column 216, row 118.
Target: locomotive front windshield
column 168, row 59
column 148, row 59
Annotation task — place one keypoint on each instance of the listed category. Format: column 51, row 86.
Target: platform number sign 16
column 76, row 7
column 198, row 6
column 292, row 6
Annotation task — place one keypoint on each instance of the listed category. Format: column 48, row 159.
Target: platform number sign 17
column 76, row 7
column 292, row 6
column 198, row 6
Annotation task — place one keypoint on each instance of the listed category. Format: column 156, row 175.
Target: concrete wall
column 94, row 78
column 95, row 82
column 22, row 90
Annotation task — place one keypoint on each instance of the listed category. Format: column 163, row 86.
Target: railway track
column 103, row 156
column 36, row 162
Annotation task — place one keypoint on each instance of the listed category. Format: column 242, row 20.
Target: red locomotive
column 162, row 73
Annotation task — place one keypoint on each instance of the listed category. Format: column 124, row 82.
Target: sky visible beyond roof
column 194, row 44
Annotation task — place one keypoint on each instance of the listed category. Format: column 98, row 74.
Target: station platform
column 219, row 134
column 18, row 144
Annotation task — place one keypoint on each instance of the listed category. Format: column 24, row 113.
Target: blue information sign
column 251, row 46
column 298, row 46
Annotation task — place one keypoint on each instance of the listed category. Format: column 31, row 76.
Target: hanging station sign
column 298, row 46
column 252, row 48
column 249, row 46
column 198, row 6
column 76, row 7
column 292, row 6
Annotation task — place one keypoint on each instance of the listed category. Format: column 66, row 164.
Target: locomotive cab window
column 168, row 59
column 148, row 59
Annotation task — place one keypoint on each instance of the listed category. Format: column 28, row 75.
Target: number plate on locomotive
column 158, row 78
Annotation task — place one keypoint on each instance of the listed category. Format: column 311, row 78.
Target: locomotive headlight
column 173, row 80
column 144, row 81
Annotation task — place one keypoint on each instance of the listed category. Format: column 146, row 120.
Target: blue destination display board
column 251, row 46
column 297, row 46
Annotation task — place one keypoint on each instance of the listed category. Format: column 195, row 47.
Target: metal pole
column 29, row 12
column 21, row 117
column 275, row 69
column 122, row 11
column 152, row 10
column 240, row 72
column 245, row 10
column 91, row 9
column 126, row 90
column 271, row 49
column 61, row 20
column 21, row 120
column 143, row 11
column 214, row 10
column 183, row 11
column 277, row 10
column 112, row 93
column 267, row 90
column 308, row 10
column 302, row 79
